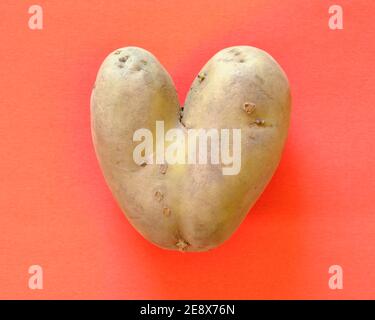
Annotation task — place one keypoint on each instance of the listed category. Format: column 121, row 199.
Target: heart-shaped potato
column 189, row 207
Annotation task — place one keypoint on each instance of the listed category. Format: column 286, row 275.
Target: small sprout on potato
column 144, row 62
column 182, row 244
column 166, row 211
column 201, row 77
column 163, row 168
column 249, row 107
column 143, row 164
column 158, row 196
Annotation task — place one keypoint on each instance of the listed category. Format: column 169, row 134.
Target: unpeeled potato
column 189, row 207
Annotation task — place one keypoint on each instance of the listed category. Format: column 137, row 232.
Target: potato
column 189, row 207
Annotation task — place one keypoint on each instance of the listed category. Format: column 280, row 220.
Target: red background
column 56, row 210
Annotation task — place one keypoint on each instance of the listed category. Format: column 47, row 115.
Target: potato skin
column 189, row 207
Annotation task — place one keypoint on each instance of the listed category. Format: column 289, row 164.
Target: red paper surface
column 57, row 212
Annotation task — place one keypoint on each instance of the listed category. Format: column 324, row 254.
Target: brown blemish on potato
column 242, row 61
column 143, row 61
column 166, row 211
column 123, row 59
column 117, row 52
column 201, row 77
column 249, row 107
column 182, row 245
column 180, row 114
column 163, row 168
column 158, row 196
